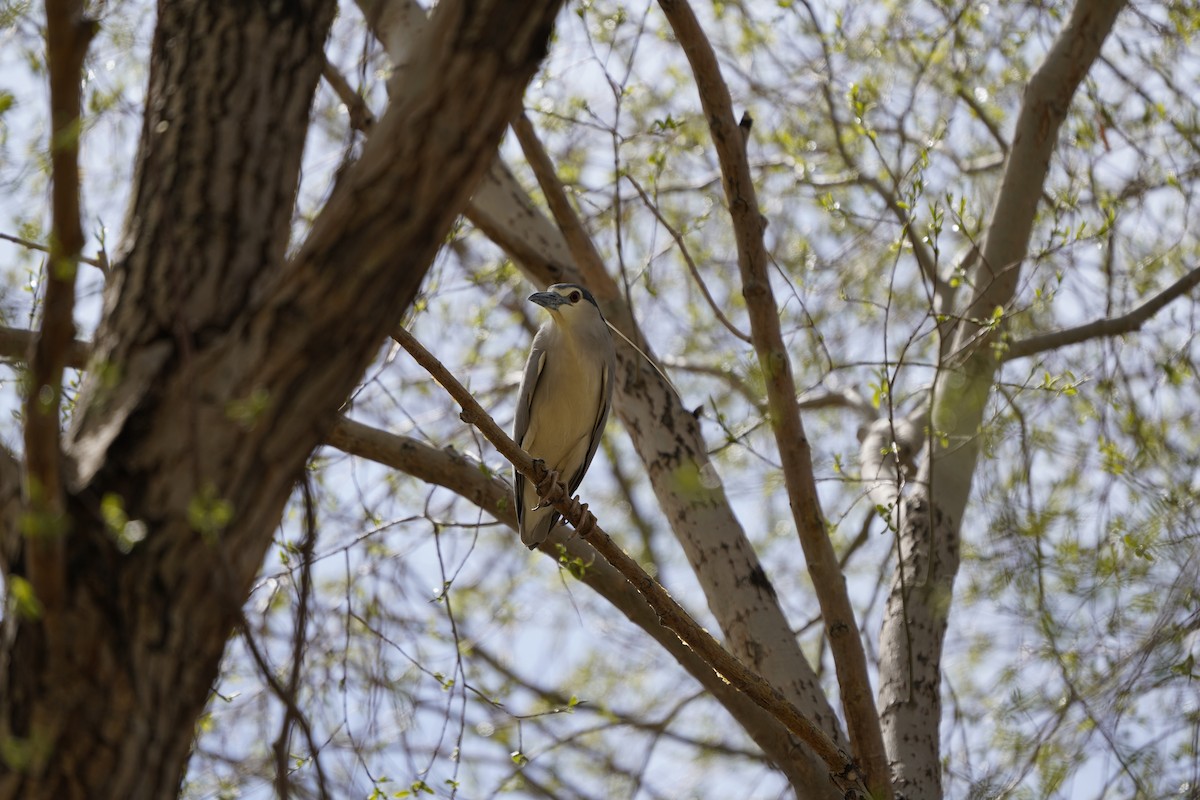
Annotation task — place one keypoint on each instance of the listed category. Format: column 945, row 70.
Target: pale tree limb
column 463, row 476
column 887, row 456
column 666, row 435
column 1104, row 327
column 739, row 593
column 68, row 33
column 849, row 655
column 626, row 480
column 930, row 525
column 842, row 769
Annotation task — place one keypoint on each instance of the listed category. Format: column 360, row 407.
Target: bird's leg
column 549, row 487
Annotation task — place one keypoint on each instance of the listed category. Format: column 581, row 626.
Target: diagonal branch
column 463, row 475
column 361, row 117
column 1107, row 326
column 862, row 719
column 668, row 440
column 68, row 33
column 843, row 771
column 583, row 250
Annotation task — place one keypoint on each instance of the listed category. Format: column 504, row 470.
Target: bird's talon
column 587, row 521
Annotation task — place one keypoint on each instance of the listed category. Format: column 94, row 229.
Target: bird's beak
column 548, row 300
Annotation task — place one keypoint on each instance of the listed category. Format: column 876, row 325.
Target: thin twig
column 361, row 118
column 862, row 717
column 843, row 770
column 299, row 641
column 99, row 263
column 687, row 257
column 925, row 259
column 1107, row 326
column 281, row 693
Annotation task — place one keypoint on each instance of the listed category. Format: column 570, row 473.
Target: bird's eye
column 574, row 296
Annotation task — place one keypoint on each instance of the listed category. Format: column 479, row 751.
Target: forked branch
column 850, row 661
column 843, row 771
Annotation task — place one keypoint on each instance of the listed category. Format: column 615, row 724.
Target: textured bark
column 219, row 365
column 842, row 770
column 463, row 476
column 918, row 606
column 795, row 455
column 688, row 488
column 105, row 705
column 668, row 440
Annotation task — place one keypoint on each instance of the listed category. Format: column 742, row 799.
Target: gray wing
column 533, row 372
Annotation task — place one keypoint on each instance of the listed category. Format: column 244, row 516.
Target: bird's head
column 570, row 305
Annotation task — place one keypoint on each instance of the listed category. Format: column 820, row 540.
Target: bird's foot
column 549, row 488
column 587, row 520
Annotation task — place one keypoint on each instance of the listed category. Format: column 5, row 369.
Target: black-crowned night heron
column 564, row 400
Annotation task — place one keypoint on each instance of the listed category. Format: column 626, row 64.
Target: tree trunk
column 930, row 522
column 667, row 438
column 219, row 365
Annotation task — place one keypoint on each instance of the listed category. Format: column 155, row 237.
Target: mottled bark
column 795, row 455
column 666, row 437
column 842, row 771
column 463, row 476
column 930, row 522
column 219, row 364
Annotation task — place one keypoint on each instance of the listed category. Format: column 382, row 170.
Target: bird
column 565, row 396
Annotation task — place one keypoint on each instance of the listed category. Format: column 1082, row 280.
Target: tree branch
column 930, row 525
column 68, row 33
column 288, row 699
column 925, row 259
column 843, row 771
column 15, row 345
column 99, row 263
column 1107, row 326
column 361, row 118
column 667, row 438
column 282, row 743
column 463, row 475
column 862, row 719
column 587, row 258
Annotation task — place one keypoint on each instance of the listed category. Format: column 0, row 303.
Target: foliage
column 441, row 654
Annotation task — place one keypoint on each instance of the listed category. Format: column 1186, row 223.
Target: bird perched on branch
column 564, row 400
